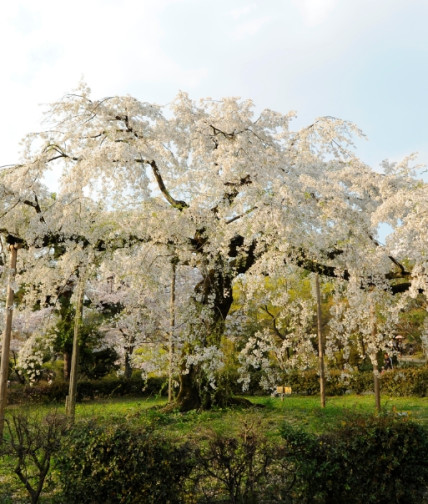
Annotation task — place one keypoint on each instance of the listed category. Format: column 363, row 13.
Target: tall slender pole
column 376, row 380
column 4, row 367
column 320, row 342
column 70, row 404
column 172, row 328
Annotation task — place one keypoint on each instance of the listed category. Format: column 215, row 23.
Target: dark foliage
column 247, row 469
column 88, row 389
column 368, row 460
column 117, row 465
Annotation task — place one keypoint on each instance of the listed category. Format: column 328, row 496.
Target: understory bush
column 396, row 382
column 370, row 460
column 407, row 381
column 87, row 389
column 375, row 460
column 116, row 465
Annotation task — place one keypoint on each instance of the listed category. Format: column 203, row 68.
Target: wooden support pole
column 4, row 367
column 320, row 342
column 172, row 329
column 70, row 403
column 376, row 380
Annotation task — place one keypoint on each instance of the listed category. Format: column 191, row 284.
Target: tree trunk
column 195, row 393
column 212, row 300
column 128, row 368
column 189, row 396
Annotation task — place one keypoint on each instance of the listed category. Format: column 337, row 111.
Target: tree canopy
column 223, row 190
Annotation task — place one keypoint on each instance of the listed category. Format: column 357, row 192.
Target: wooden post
column 70, row 402
column 172, row 328
column 4, row 367
column 320, row 342
column 376, row 387
column 376, row 381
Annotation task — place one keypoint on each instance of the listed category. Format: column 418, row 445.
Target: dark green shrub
column 407, row 381
column 116, row 465
column 369, row 460
column 361, row 381
column 98, row 363
column 304, row 382
column 109, row 386
column 40, row 393
column 307, row 382
column 397, row 382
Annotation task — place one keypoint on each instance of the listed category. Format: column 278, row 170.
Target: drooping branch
column 180, row 205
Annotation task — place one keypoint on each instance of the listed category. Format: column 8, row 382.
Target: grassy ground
column 298, row 410
column 301, row 410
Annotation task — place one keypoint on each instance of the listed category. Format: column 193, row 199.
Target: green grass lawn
column 298, row 410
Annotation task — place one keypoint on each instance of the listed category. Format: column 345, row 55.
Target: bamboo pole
column 376, row 380
column 172, row 328
column 320, row 343
column 4, row 367
column 70, row 402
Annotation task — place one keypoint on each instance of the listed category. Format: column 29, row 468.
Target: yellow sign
column 283, row 390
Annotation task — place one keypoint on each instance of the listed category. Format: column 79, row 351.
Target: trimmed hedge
column 106, row 387
column 397, row 382
column 375, row 460
column 116, row 465
column 368, row 459
column 407, row 381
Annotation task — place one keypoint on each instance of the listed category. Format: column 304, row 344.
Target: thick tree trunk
column 189, row 396
column 195, row 393
column 128, row 368
column 213, row 299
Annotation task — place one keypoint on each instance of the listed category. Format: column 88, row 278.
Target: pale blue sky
column 361, row 60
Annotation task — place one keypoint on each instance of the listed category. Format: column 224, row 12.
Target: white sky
column 361, row 60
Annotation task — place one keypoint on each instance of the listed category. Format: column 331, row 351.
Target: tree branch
column 180, row 205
